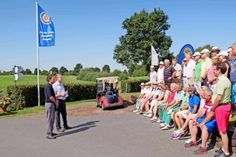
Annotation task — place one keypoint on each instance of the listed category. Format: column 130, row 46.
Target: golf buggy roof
column 112, row 79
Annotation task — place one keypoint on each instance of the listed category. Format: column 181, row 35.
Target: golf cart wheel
column 103, row 107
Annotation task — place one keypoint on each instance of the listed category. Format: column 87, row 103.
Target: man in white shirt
column 178, row 68
column 153, row 75
column 160, row 73
column 190, row 69
column 61, row 95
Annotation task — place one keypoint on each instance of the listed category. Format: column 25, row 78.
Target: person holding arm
column 50, row 105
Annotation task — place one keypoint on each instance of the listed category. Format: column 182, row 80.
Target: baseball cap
column 161, row 62
column 196, row 54
column 205, row 51
column 223, row 53
column 215, row 48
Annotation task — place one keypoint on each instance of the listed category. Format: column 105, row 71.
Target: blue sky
column 88, row 30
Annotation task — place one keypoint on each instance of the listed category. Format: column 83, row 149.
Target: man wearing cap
column 222, row 107
column 215, row 51
column 153, row 74
column 160, row 73
column 190, row 69
column 232, row 63
column 198, row 68
column 223, row 57
column 206, row 64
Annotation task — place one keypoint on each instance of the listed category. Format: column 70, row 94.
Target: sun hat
column 196, row 54
column 205, row 51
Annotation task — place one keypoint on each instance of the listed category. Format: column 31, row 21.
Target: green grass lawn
column 8, row 80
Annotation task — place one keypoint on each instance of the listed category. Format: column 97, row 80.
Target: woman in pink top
column 211, row 75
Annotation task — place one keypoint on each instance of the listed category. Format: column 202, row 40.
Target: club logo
column 45, row 18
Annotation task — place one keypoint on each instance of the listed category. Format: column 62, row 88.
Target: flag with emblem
column 46, row 30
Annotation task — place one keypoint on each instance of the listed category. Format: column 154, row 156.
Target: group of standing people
column 198, row 94
column 55, row 96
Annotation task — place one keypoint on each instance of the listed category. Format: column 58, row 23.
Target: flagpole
column 37, row 50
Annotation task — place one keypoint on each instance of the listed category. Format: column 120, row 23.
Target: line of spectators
column 198, row 95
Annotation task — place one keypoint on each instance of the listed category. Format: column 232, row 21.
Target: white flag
column 155, row 60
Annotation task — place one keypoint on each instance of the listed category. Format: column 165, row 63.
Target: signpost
column 17, row 70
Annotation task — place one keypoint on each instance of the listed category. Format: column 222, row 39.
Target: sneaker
column 218, row 151
column 158, row 120
column 165, row 127
column 149, row 115
column 51, row 137
column 190, row 145
column 139, row 112
column 188, row 141
column 153, row 119
column 222, row 154
column 179, row 132
column 162, row 125
column 60, row 129
column 135, row 111
column 200, row 150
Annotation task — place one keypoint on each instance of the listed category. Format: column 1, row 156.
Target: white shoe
column 135, row 111
column 165, row 127
column 149, row 115
column 179, row 132
column 162, row 125
column 158, row 120
column 153, row 119
column 189, row 140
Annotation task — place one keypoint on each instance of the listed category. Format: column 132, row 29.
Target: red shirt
column 171, row 97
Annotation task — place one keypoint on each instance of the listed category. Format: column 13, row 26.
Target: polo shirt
column 193, row 101
column 223, row 87
column 171, row 97
column 206, row 64
column 197, row 71
column 185, row 99
column 153, row 76
column 179, row 95
column 160, row 75
column 59, row 89
column 168, row 72
column 49, row 92
column 189, row 69
column 211, row 74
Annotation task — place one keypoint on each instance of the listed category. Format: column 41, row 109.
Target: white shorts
column 183, row 113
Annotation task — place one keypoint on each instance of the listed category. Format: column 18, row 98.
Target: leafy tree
column 44, row 72
column 116, row 72
column 35, row 71
column 140, row 71
column 77, row 68
column 200, row 48
column 54, row 70
column 143, row 29
column 27, row 72
column 106, row 68
column 63, row 70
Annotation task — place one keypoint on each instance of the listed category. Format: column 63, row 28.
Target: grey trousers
column 50, row 111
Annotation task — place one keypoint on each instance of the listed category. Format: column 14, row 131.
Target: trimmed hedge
column 132, row 84
column 27, row 94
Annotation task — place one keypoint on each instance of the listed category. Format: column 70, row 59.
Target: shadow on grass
column 7, row 113
column 79, row 128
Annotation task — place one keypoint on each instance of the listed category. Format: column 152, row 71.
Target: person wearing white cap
column 223, row 57
column 153, row 74
column 215, row 50
column 178, row 69
column 198, row 68
column 206, row 64
column 160, row 73
column 190, row 69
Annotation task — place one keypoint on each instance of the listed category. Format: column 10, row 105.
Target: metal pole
column 37, row 49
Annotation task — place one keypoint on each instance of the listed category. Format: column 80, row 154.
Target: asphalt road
column 115, row 135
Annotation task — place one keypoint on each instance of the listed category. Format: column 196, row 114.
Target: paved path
column 116, row 135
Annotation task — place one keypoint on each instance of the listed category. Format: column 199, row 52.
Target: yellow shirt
column 206, row 64
column 223, row 87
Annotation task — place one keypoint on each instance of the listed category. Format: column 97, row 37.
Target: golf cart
column 108, row 95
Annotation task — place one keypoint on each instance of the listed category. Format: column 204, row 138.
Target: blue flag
column 185, row 49
column 46, row 30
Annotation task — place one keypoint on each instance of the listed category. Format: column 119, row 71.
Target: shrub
column 132, row 84
column 6, row 103
column 27, row 94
